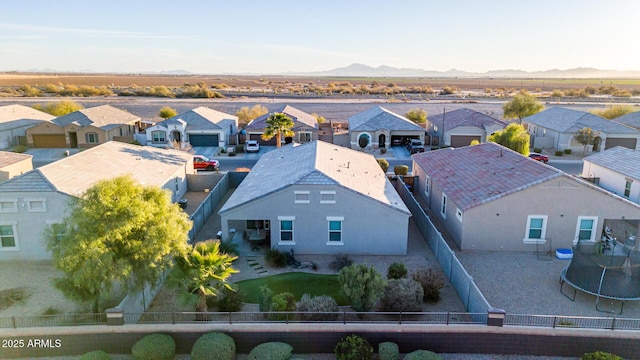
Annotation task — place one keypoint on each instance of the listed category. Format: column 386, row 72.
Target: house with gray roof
column 462, row 126
column 555, row 128
column 630, row 119
column 381, row 128
column 491, row 198
column 15, row 120
column 305, row 127
column 14, row 164
column 85, row 128
column 617, row 170
column 201, row 126
column 318, row 198
column 31, row 202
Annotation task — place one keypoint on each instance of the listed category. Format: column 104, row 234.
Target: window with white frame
column 335, row 229
column 158, row 136
column 8, row 236
column 627, row 188
column 302, row 197
column 427, row 186
column 536, row 229
column 327, row 197
column 586, row 228
column 304, row 136
column 286, row 228
column 459, row 214
column 92, row 138
column 36, row 205
column 443, row 208
column 9, row 205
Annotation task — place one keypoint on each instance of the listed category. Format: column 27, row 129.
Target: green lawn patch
column 297, row 283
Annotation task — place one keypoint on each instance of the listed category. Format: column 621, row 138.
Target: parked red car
column 539, row 157
column 201, row 162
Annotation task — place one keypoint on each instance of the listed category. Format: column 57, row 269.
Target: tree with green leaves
column 614, row 111
column 246, row 114
column 278, row 124
column 384, row 164
column 361, row 285
column 521, row 106
column 201, row 272
column 514, row 137
column 319, row 118
column 117, row 233
column 586, row 136
column 59, row 108
column 167, row 112
column 418, row 116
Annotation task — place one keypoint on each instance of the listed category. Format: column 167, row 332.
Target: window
column 627, row 188
column 92, row 138
column 36, row 205
column 158, row 136
column 427, row 184
column 459, row 214
column 443, row 209
column 335, row 230
column 585, row 229
column 536, row 229
column 286, row 228
column 57, row 227
column 302, row 197
column 8, row 238
column 304, row 137
column 9, row 205
column 327, row 197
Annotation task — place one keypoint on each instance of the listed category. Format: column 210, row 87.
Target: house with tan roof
column 15, row 120
column 617, row 170
column 318, row 198
column 381, row 128
column 491, row 198
column 85, row 128
column 305, row 127
column 462, row 126
column 31, row 202
column 14, row 164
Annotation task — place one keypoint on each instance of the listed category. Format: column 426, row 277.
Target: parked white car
column 252, row 146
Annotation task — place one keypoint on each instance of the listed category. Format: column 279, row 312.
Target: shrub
column 422, row 355
column 339, row 262
column 276, row 258
column 230, row 301
column 402, row 295
column 431, row 283
column 383, row 150
column 283, row 302
column 95, row 355
column 559, row 153
column 396, row 270
column 401, row 170
column 214, row 346
column 319, row 305
column 567, row 151
column 388, row 351
column 361, row 286
column 19, row 148
column 271, row 351
column 229, row 247
column 384, row 164
column 154, row 346
column 537, row 150
column 264, row 300
column 600, row 355
column 353, row 347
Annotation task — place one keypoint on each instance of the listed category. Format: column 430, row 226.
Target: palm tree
column 278, row 124
column 202, row 272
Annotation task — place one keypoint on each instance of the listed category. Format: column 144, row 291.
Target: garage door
column 203, row 140
column 625, row 142
column 260, row 141
column 49, row 141
column 463, row 140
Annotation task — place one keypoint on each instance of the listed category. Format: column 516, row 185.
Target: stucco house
column 201, row 126
column 382, row 128
column 305, row 127
column 462, row 126
column 85, row 128
column 617, row 170
column 15, row 120
column 491, row 198
column 29, row 203
column 14, row 164
column 555, row 128
column 318, row 198
column 630, row 119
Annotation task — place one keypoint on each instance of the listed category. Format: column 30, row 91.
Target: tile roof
column 17, row 112
column 378, row 118
column 202, row 118
column 75, row 174
column 316, row 163
column 301, row 119
column 465, row 117
column 104, row 117
column 474, row 175
column 8, row 158
column 631, row 119
column 619, row 159
column 570, row 121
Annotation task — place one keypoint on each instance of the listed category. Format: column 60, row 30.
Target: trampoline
column 606, row 270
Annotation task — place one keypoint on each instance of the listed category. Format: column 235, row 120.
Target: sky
column 278, row 36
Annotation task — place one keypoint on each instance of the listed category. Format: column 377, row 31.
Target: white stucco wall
column 611, row 180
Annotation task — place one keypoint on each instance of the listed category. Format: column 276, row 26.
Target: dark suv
column 415, row 146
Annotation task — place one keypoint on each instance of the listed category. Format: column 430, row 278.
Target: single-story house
column 381, row 128
column 491, row 198
column 462, row 126
column 305, row 127
column 14, row 164
column 29, row 203
column 318, row 198
column 85, row 128
column 630, row 119
column 617, row 170
column 201, row 126
column 555, row 128
column 15, row 120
